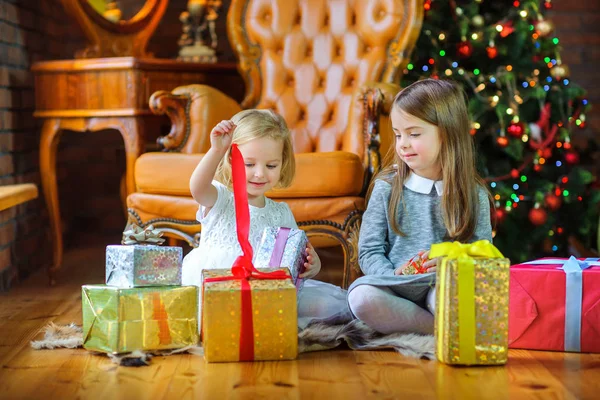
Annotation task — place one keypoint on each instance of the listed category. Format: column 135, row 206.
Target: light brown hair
column 254, row 124
column 443, row 104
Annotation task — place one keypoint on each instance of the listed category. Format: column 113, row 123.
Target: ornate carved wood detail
column 177, row 108
column 346, row 234
column 402, row 45
column 109, row 39
column 372, row 105
column 249, row 54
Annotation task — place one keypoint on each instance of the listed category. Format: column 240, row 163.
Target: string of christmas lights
column 524, row 110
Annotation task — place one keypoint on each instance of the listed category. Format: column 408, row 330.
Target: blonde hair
column 443, row 104
column 255, row 124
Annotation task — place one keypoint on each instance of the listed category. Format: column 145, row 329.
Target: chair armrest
column 176, row 107
column 193, row 110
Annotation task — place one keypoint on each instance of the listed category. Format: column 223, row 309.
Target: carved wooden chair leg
column 350, row 245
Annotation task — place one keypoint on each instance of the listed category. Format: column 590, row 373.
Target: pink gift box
column 537, row 307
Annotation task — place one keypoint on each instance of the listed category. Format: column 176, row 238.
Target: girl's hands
column 401, row 269
column 432, row 264
column 313, row 264
column 427, row 264
column 221, row 135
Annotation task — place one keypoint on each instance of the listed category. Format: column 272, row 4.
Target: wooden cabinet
column 109, row 93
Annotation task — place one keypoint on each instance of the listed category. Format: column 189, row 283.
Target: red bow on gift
column 243, row 268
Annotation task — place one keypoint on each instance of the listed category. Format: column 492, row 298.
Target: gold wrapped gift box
column 274, row 318
column 146, row 318
column 471, row 322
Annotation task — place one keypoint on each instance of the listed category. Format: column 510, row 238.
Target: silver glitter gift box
column 283, row 247
column 143, row 265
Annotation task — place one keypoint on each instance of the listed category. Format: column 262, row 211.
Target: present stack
column 142, row 306
column 555, row 305
column 471, row 321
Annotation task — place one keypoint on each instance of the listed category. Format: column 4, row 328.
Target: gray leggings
column 381, row 309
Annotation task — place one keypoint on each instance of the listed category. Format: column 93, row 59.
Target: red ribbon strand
column 243, row 269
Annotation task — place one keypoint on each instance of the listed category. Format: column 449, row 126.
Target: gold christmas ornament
column 478, row 21
column 559, row 71
column 544, row 27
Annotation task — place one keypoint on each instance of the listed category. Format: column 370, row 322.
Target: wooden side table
column 108, row 93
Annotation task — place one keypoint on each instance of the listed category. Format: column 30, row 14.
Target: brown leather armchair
column 328, row 68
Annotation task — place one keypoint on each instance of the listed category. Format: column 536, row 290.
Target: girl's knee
column 431, row 300
column 364, row 300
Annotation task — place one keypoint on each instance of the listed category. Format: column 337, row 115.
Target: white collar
column 422, row 185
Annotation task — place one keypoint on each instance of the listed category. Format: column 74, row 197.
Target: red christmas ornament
column 516, row 129
column 552, row 202
column 538, row 216
column 547, row 153
column 548, row 4
column 492, row 51
column 572, row 157
column 514, row 173
column 499, row 215
column 502, row 141
column 507, row 29
column 537, row 167
column 465, row 49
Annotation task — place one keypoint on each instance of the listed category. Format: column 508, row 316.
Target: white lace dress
column 219, row 248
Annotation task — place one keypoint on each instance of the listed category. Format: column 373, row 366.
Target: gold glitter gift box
column 270, row 308
column 119, row 320
column 471, row 321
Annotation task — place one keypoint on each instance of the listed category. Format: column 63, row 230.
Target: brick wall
column 577, row 26
column 29, row 32
column 26, row 35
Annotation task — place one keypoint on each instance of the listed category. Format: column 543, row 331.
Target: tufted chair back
column 306, row 58
column 329, row 67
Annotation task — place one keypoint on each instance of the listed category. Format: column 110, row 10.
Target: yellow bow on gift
column 465, row 254
column 481, row 248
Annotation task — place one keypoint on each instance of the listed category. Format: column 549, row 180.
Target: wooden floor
column 64, row 374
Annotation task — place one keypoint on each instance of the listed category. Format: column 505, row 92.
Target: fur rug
column 317, row 336
column 358, row 336
column 60, row 336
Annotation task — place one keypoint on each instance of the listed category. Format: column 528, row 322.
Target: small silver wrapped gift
column 141, row 261
column 283, row 247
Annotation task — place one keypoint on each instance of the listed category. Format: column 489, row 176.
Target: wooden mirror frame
column 121, row 39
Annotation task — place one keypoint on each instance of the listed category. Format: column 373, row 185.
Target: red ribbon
column 159, row 313
column 243, row 268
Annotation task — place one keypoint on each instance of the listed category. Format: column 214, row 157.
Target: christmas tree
column 524, row 111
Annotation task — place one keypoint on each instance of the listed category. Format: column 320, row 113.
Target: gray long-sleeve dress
column 381, row 250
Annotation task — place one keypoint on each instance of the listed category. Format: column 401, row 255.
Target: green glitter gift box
column 117, row 320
